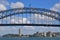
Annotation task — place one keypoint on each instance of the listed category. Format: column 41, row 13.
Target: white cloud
column 3, row 28
column 42, row 17
column 16, row 20
column 20, row 21
column 29, row 28
column 17, row 5
column 4, row 2
column 38, row 18
column 2, row 7
column 52, row 29
column 56, row 7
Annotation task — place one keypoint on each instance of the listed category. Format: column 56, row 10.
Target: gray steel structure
column 30, row 12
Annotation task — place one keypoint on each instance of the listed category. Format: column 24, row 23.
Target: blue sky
column 38, row 3
column 48, row 4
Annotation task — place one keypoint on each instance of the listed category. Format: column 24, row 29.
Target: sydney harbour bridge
column 29, row 17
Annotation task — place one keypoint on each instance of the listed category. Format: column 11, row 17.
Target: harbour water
column 30, row 38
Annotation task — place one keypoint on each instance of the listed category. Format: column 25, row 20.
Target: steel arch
column 53, row 14
column 41, row 11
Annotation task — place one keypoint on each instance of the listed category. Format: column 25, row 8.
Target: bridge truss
column 29, row 17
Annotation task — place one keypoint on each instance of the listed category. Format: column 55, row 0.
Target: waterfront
column 37, row 34
column 31, row 38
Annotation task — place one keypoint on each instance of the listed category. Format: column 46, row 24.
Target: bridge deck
column 45, row 25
